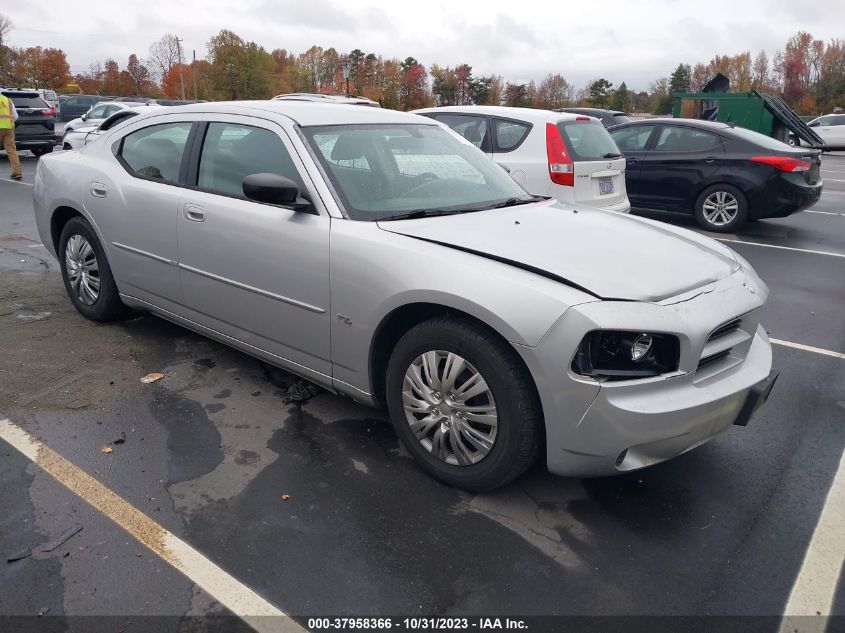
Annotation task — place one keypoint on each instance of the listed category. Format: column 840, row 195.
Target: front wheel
column 721, row 208
column 86, row 273
column 463, row 404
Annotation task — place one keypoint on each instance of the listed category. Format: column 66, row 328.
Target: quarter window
column 684, row 139
column 509, row 134
column 231, row 152
column 156, row 152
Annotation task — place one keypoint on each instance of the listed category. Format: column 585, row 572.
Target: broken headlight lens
column 620, row 355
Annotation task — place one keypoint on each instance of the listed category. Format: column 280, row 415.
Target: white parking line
column 808, row 348
column 18, row 182
column 824, row 212
column 226, row 589
column 815, row 585
column 786, row 248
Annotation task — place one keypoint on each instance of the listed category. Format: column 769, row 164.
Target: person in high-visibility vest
column 8, row 116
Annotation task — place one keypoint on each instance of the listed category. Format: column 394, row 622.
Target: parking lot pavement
column 731, row 528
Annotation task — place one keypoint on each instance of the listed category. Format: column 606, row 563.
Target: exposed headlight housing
column 622, row 355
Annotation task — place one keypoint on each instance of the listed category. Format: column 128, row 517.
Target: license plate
column 605, row 185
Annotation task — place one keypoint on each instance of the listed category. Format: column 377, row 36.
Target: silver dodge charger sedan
column 378, row 255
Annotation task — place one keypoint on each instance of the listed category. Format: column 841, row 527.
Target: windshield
column 392, row 170
column 588, row 140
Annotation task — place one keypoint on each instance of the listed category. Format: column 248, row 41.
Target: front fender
column 375, row 272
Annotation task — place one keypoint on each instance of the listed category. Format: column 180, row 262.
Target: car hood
column 610, row 255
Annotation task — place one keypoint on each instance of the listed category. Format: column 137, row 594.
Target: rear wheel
column 721, row 208
column 86, row 273
column 463, row 404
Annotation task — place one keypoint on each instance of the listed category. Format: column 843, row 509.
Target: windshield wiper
column 612, row 155
column 423, row 213
column 513, row 202
column 430, row 213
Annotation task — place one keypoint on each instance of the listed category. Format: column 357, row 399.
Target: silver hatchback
column 380, row 256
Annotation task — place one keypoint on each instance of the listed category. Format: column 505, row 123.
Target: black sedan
column 724, row 175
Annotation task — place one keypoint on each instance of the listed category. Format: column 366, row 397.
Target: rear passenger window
column 156, row 151
column 684, row 139
column 472, row 128
column 231, row 152
column 632, row 138
column 509, row 134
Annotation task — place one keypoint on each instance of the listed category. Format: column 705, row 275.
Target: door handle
column 710, row 160
column 631, row 160
column 99, row 190
column 193, row 212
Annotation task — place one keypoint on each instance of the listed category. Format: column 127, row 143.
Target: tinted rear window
column 587, row 140
column 620, row 118
column 762, row 140
column 27, row 101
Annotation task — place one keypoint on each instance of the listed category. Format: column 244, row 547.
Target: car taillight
column 561, row 167
column 47, row 111
column 783, row 163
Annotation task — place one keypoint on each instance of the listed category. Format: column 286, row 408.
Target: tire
column 731, row 216
column 40, row 151
column 516, row 442
column 106, row 305
column 66, row 146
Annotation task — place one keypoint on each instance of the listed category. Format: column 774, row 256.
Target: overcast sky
column 521, row 40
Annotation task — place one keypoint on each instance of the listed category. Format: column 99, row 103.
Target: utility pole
column 194, row 72
column 181, row 78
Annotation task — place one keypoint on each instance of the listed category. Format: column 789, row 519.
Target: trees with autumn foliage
column 807, row 72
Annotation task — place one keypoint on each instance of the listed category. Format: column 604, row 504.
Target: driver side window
column 231, row 152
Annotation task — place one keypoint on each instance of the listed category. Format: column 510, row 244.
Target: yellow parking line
column 226, row 589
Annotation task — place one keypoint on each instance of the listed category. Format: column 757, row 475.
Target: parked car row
column 389, row 258
column 75, row 106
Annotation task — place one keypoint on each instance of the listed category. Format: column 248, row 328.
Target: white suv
column 567, row 156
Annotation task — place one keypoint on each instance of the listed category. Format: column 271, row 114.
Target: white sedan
column 79, row 138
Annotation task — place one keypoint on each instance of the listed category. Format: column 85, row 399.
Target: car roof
column 19, row 92
column 696, row 123
column 597, row 111
column 507, row 112
column 325, row 98
column 306, row 113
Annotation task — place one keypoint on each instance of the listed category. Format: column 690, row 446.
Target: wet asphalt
column 210, row 450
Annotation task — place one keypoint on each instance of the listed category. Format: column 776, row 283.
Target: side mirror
column 277, row 190
column 84, row 117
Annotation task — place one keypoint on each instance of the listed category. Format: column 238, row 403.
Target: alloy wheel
column 83, row 271
column 450, row 408
column 720, row 208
